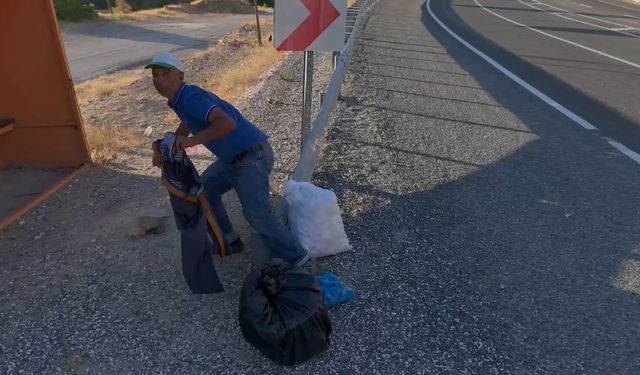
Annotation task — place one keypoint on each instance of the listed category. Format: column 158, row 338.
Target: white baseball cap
column 166, row 60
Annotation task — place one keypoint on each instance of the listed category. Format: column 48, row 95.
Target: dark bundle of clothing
column 200, row 235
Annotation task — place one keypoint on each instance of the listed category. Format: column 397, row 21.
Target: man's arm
column 182, row 130
column 220, row 126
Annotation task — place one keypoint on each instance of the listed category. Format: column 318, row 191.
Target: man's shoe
column 302, row 261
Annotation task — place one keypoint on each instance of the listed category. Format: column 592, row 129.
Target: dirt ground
column 19, row 186
column 183, row 10
column 217, row 6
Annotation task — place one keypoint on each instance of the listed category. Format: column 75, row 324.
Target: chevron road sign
column 310, row 25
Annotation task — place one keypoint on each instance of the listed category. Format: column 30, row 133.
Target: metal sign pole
column 307, row 93
column 334, row 59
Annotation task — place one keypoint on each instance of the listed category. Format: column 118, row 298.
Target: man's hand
column 157, row 157
column 185, row 142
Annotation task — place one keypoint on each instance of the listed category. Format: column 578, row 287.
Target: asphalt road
column 492, row 234
column 583, row 54
column 96, row 48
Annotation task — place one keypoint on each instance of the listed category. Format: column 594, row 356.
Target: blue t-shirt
column 193, row 105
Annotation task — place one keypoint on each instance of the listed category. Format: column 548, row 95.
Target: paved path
column 96, row 48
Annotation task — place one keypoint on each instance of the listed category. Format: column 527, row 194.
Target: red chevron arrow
column 323, row 13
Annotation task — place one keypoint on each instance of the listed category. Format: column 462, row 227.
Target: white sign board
column 310, row 25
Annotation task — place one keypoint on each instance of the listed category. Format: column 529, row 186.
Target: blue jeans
column 249, row 176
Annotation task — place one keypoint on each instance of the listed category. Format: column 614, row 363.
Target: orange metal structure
column 38, row 103
column 40, row 122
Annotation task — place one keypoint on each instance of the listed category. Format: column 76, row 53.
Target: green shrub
column 73, row 10
column 266, row 3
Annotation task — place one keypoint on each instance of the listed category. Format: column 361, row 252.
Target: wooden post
column 255, row 5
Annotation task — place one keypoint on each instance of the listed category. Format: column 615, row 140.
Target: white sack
column 314, row 218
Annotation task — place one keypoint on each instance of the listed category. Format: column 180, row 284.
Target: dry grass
column 123, row 6
column 108, row 144
column 142, row 15
column 215, row 6
column 106, row 85
column 196, row 6
column 254, row 61
column 233, row 82
column 180, row 10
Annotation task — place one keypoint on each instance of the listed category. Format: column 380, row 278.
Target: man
column 244, row 156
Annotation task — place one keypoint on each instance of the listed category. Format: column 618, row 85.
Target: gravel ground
column 491, row 236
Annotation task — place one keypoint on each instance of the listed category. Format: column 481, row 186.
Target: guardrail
column 311, row 150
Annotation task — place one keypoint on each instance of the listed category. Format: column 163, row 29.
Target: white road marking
column 557, row 106
column 583, row 15
column 619, row 30
column 618, row 5
column 560, row 39
column 624, row 149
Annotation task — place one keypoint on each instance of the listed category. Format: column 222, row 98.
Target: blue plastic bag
column 334, row 291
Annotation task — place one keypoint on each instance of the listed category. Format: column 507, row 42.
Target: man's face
column 167, row 81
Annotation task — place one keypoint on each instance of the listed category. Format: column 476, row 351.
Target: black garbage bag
column 282, row 313
column 200, row 236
